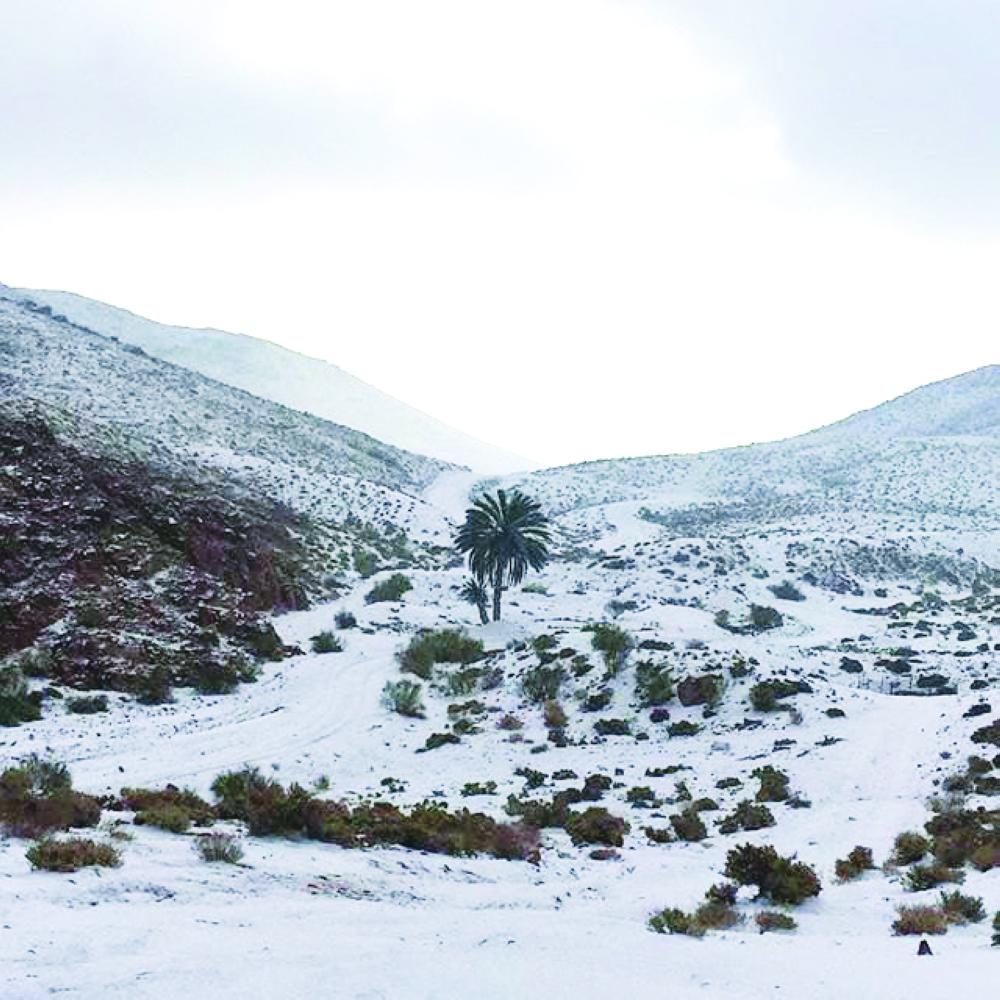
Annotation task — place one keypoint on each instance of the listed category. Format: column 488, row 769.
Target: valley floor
column 302, row 919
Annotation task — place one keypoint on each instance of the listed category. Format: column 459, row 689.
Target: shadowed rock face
column 118, row 566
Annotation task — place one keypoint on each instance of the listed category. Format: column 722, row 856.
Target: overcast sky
column 575, row 229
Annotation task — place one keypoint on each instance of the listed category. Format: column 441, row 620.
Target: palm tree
column 474, row 591
column 505, row 536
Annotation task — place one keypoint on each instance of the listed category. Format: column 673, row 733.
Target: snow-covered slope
column 294, row 380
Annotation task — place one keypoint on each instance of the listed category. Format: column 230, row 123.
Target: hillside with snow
column 792, row 645
column 283, row 376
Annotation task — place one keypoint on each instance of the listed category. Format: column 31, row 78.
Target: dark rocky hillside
column 117, row 571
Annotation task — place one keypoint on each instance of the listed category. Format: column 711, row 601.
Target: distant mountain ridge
column 283, row 376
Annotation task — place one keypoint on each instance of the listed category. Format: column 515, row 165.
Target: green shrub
column 17, row 702
column 595, row 825
column 345, row 620
column 658, row 835
column 683, row 728
column 857, row 862
column 996, row 929
column 747, row 815
column 612, row 727
column 438, row 646
column 919, row 920
column 471, row 788
column 169, row 808
column 71, row 855
column 215, row 677
column 326, row 642
column 674, row 921
column 780, row 879
column 773, row 784
column 786, row 591
column 910, row 847
column 436, row 740
column 688, row 826
column 404, row 698
column 542, row 683
column 87, row 705
column 613, row 643
column 931, row 875
column 391, row 589
column 37, row 797
column 765, row 696
column 774, row 920
column 219, row 847
column 961, row 909
column 654, row 684
column 153, row 687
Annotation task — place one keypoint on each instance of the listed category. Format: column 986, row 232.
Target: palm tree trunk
column 484, row 617
column 497, row 591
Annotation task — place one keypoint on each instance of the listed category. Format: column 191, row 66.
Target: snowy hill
column 294, row 380
column 792, row 645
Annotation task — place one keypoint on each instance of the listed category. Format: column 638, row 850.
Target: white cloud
column 557, row 225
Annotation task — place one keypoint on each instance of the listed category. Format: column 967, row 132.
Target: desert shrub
column 710, row 915
column 613, row 643
column 268, row 808
column 786, row 591
column 683, row 728
column 612, row 727
column 765, row 696
column 988, row 735
column 326, row 642
column 219, row 847
column 957, row 833
column 345, row 620
column 763, row 618
column 688, row 826
column 931, row 875
column 705, row 689
column 471, row 788
column 17, row 702
column 595, row 825
column 534, row 588
column 910, row 847
column 510, row 723
column 87, row 704
column 594, row 787
column 37, row 797
column 675, row 921
column 654, row 684
column 71, row 855
column 658, row 835
column 218, row 677
column 169, row 808
column 919, row 920
column 780, row 879
column 403, row 697
column 962, row 909
column 437, row 740
column 641, row 795
column 716, row 915
column 391, row 589
column 996, row 929
column 774, row 920
column 773, row 784
column 722, row 892
column 542, row 683
column 555, row 715
column 746, row 815
column 857, row 862
column 262, row 803
column 598, row 701
column 438, row 646
column 154, row 687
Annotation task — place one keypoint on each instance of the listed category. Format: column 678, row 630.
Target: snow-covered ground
column 307, row 919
